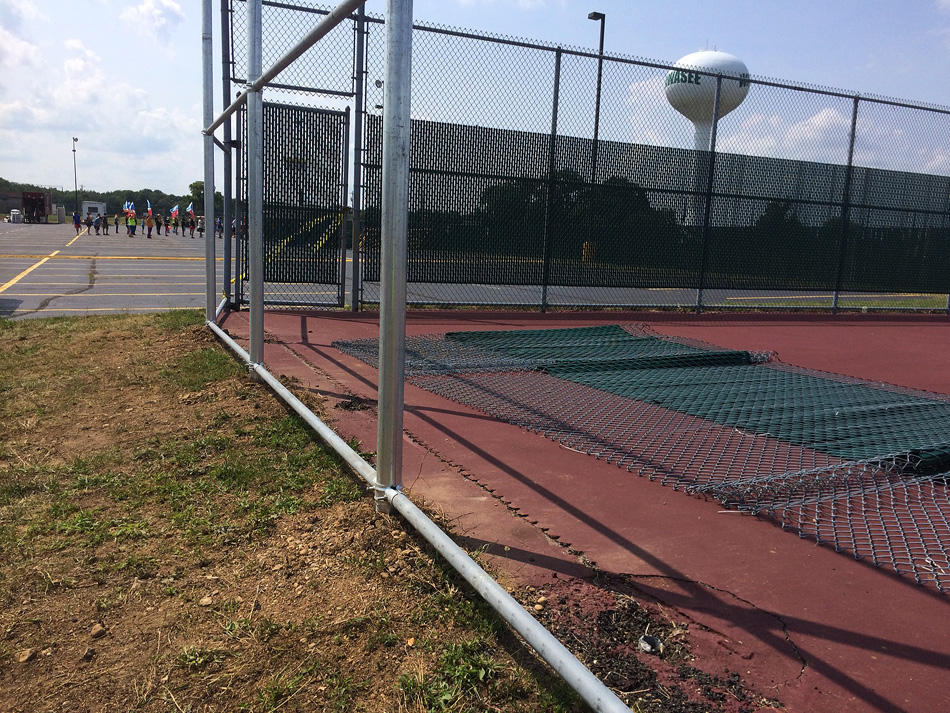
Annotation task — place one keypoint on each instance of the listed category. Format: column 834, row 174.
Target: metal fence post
column 358, row 76
column 229, row 153
column 345, row 181
column 711, row 154
column 393, row 233
column 846, row 207
column 239, row 210
column 255, row 183
column 207, row 24
column 549, row 204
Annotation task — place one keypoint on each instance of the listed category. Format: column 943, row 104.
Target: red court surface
column 812, row 628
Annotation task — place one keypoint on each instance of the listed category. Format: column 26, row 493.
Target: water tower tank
column 694, row 95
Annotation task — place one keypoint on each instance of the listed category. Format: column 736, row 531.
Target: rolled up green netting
column 862, row 466
column 848, row 419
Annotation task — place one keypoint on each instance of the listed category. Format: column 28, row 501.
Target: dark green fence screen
column 490, row 206
column 304, row 199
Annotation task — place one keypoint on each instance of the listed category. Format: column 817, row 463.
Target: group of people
column 131, row 223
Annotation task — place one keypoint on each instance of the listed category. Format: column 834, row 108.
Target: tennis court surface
column 831, row 428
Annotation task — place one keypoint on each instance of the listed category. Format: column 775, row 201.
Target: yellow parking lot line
column 28, row 270
column 100, row 295
column 106, row 257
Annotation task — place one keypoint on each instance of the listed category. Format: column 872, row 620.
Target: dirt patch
column 636, row 648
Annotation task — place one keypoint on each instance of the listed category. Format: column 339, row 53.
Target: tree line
column 162, row 202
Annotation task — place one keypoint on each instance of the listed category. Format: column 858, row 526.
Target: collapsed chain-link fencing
column 809, row 197
column 858, row 465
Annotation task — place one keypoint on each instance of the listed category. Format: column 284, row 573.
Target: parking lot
column 47, row 270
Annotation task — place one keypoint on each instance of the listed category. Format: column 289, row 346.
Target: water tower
column 693, row 95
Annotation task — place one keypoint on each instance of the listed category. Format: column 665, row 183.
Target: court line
column 28, row 270
column 846, row 296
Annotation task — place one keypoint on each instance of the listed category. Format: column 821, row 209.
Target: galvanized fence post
column 255, row 183
column 710, row 176
column 229, row 153
column 207, row 25
column 359, row 102
column 846, row 207
column 341, row 290
column 393, row 233
column 239, row 209
column 549, row 203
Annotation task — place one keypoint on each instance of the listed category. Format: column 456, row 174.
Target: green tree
column 197, row 196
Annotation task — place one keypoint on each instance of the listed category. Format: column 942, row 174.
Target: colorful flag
column 129, row 207
column 191, row 209
column 175, row 211
column 149, row 203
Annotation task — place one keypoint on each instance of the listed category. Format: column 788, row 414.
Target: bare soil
column 172, row 540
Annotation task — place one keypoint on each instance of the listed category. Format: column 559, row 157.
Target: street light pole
column 600, row 71
column 75, row 175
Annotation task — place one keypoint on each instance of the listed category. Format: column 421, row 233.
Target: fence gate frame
column 292, row 201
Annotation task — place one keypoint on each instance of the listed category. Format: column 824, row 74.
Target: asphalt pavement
column 48, row 270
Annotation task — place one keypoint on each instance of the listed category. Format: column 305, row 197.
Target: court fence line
column 507, row 209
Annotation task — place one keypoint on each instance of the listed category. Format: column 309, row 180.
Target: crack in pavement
column 91, row 282
column 696, row 582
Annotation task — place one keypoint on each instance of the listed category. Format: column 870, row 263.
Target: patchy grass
column 172, row 540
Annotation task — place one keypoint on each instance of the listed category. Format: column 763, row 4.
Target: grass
column 149, row 487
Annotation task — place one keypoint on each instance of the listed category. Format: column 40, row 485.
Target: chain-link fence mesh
column 856, row 464
column 812, row 198
column 777, row 217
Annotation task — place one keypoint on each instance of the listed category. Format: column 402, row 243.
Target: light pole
column 75, row 178
column 600, row 70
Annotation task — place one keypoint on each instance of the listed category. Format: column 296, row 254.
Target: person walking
column 116, row 223
column 158, row 224
column 88, row 223
column 149, row 224
column 131, row 221
column 97, row 221
column 77, row 221
column 105, row 225
column 191, row 226
column 167, row 224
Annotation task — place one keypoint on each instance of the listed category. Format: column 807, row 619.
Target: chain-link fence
column 809, row 198
column 514, row 203
column 857, row 465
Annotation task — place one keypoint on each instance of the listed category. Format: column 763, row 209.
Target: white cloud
column 13, row 12
column 153, row 16
column 822, row 137
column 16, row 54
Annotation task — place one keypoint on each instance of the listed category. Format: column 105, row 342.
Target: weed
column 339, row 489
column 196, row 658
column 195, row 370
column 266, row 628
column 462, row 670
column 139, row 567
column 178, row 320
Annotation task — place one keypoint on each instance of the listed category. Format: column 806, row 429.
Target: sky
column 124, row 76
